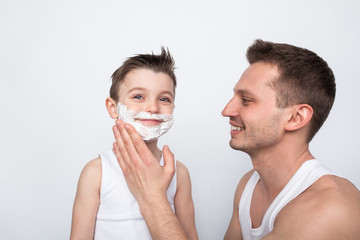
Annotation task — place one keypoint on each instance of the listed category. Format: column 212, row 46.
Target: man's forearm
column 161, row 221
column 148, row 182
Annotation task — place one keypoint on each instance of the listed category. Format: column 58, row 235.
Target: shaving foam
column 147, row 133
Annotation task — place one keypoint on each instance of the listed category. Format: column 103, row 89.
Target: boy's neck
column 154, row 149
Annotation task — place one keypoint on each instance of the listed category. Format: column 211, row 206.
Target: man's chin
column 237, row 146
column 234, row 146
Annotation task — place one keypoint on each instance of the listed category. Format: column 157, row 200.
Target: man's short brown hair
column 305, row 78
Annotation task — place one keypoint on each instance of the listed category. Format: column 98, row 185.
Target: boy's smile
column 149, row 122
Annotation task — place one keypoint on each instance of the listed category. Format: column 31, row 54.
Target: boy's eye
column 138, row 97
column 165, row 99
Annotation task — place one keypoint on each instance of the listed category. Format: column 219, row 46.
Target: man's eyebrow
column 243, row 92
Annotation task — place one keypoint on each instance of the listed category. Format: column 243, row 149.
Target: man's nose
column 230, row 109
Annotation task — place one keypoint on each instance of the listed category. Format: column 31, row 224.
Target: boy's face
column 147, row 91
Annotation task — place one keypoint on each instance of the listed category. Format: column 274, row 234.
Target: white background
column 56, row 59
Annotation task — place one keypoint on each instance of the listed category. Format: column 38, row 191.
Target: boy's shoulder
column 179, row 164
column 92, row 170
column 181, row 169
column 183, row 176
column 93, row 164
column 90, row 179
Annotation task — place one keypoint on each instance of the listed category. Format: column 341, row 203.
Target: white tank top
column 307, row 174
column 118, row 215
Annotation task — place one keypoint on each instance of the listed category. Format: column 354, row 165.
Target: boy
column 142, row 94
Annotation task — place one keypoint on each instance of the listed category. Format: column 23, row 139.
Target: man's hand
column 147, row 180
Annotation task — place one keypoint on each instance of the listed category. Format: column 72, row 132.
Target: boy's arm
column 184, row 206
column 86, row 201
column 148, row 182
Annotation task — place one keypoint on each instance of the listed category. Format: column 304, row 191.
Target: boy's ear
column 300, row 117
column 111, row 107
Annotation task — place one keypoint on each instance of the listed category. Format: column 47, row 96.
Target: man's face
column 144, row 90
column 256, row 122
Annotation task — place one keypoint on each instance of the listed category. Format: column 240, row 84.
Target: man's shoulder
column 242, row 184
column 331, row 202
column 329, row 192
column 330, row 189
column 244, row 180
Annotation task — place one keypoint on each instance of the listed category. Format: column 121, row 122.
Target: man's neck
column 277, row 167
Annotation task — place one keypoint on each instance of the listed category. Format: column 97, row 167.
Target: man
column 280, row 102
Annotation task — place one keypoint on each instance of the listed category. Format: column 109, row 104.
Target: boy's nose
column 152, row 107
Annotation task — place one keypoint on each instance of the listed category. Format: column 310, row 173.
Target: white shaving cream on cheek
column 147, row 133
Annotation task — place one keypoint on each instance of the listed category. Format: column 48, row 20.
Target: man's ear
column 300, row 117
column 111, row 107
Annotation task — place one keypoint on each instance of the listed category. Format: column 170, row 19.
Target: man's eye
column 245, row 100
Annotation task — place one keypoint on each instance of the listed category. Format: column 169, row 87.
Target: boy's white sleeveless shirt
column 119, row 215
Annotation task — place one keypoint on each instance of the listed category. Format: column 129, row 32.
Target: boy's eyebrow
column 137, row 88
column 144, row 89
column 168, row 92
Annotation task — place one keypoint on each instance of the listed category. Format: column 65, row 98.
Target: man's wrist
column 152, row 204
column 158, row 215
